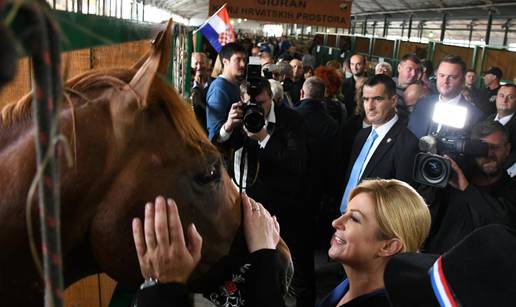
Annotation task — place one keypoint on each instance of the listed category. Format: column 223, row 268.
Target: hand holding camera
column 235, row 116
column 458, row 180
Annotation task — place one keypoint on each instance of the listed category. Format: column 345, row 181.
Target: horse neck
column 88, row 147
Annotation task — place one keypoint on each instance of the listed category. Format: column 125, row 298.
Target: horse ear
column 155, row 64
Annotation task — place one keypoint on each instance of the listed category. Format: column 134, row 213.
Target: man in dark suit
column 321, row 133
column 358, row 66
column 505, row 109
column 450, row 82
column 200, row 84
column 322, row 157
column 270, row 166
column 385, row 150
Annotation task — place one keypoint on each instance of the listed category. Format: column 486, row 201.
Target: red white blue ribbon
column 440, row 286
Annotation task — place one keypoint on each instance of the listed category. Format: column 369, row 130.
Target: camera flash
column 450, row 115
column 255, row 60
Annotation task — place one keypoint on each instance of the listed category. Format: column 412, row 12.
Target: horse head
column 151, row 145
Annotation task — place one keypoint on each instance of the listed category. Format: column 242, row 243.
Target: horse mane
column 182, row 118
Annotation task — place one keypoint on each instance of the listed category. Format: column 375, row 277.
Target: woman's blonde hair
column 401, row 212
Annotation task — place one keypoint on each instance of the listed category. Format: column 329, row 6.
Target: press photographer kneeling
column 486, row 196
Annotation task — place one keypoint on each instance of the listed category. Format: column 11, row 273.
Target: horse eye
column 212, row 174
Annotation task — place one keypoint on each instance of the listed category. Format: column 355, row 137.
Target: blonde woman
column 383, row 218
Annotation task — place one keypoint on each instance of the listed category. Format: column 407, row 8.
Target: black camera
column 267, row 73
column 432, row 169
column 254, row 119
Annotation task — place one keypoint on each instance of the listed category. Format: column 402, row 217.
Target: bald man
column 200, row 84
column 298, row 79
column 358, row 64
column 412, row 94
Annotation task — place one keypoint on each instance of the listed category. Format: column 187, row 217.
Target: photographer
column 272, row 161
column 488, row 197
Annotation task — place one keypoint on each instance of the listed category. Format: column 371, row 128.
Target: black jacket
column 457, row 213
column 321, row 140
column 276, row 172
column 392, row 159
column 349, row 91
column 253, row 281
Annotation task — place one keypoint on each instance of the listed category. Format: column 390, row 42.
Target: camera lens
column 253, row 117
column 434, row 170
column 254, row 122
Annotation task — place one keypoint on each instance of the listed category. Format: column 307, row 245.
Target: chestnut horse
column 132, row 138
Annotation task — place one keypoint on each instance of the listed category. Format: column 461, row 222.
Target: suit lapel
column 386, row 144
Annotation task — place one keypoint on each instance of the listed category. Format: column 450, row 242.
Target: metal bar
column 372, row 41
column 364, row 27
column 439, row 9
column 483, row 58
column 470, row 36
column 385, row 26
column 474, row 58
column 443, row 26
column 489, row 25
column 506, row 32
column 187, row 83
column 410, row 27
column 198, row 41
column 374, row 27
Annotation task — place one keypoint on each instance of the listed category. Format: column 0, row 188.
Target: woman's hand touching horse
column 160, row 244
column 260, row 228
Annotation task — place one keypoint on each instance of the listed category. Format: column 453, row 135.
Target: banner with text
column 328, row 13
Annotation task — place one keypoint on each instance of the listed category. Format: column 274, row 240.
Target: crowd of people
column 338, row 143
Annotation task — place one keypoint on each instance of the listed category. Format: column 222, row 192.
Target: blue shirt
column 221, row 95
column 374, row 298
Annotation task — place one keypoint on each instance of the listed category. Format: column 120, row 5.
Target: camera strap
column 242, row 165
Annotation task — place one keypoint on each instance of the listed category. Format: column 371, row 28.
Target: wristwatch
column 149, row 282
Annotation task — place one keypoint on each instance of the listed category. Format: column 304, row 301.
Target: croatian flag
column 217, row 30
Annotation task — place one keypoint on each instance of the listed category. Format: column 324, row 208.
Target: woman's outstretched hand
column 160, row 244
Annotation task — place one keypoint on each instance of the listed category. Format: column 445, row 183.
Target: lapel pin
column 389, row 140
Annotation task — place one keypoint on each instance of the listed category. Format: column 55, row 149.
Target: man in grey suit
column 385, row 150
